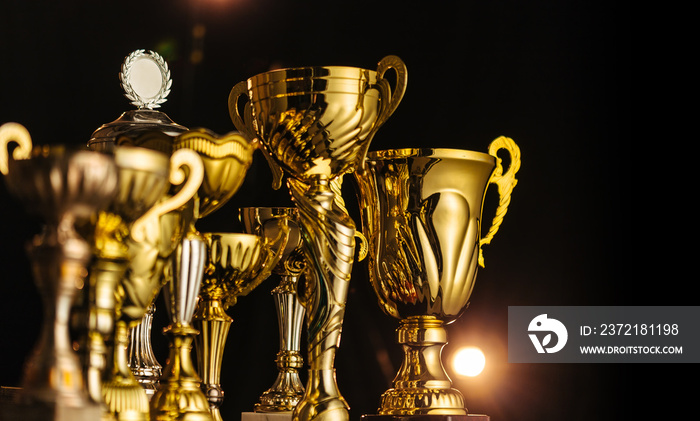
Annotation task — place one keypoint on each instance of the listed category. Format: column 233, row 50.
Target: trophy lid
column 146, row 81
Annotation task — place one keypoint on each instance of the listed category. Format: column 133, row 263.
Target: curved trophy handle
column 505, row 182
column 180, row 158
column 14, row 132
column 245, row 125
column 392, row 62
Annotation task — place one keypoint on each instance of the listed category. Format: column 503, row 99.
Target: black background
column 556, row 76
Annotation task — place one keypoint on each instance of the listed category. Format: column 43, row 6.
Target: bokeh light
column 468, row 361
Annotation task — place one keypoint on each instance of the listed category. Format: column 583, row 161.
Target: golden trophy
column 421, row 212
column 146, row 172
column 287, row 389
column 316, row 124
column 67, row 188
column 226, row 160
column 237, row 264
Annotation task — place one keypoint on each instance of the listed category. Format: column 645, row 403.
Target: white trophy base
column 266, row 416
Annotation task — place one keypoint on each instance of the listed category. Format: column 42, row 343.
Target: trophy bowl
column 421, row 213
column 318, row 120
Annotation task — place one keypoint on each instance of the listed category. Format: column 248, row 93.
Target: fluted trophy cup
column 66, row 188
column 226, row 160
column 421, row 212
column 316, row 124
column 237, row 263
column 287, row 389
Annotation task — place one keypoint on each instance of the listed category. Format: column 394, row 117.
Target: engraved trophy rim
column 439, row 153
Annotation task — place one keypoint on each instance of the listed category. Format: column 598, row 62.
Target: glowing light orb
column 469, row 361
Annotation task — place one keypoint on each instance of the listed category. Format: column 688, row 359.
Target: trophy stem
column 213, row 324
column 123, row 396
column 179, row 396
column 287, row 390
column 422, row 387
column 329, row 245
column 142, row 361
column 53, row 387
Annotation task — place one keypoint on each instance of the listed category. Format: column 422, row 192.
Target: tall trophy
column 316, row 124
column 287, row 389
column 145, row 80
column 421, row 212
column 67, row 188
column 226, row 160
column 237, row 263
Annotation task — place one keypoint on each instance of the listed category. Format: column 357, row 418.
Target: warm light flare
column 469, row 361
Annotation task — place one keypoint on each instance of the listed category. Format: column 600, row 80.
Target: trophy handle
column 395, row 97
column 505, row 183
column 245, row 125
column 180, row 158
column 14, row 132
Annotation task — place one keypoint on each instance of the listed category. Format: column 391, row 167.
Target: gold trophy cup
column 124, row 396
column 316, row 124
column 421, row 212
column 287, row 389
column 67, row 188
column 237, row 264
column 226, row 160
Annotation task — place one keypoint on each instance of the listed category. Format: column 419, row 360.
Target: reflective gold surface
column 66, row 188
column 153, row 238
column 318, row 121
column 237, row 264
column 316, row 124
column 421, row 213
column 226, row 159
column 287, row 389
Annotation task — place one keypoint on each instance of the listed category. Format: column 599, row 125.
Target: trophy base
column 266, row 416
column 40, row 411
column 469, row 417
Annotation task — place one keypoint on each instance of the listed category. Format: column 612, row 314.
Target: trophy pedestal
column 266, row 416
column 44, row 411
column 469, row 417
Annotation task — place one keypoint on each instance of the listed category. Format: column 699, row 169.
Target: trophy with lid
column 145, row 80
column 421, row 212
column 125, row 276
column 67, row 188
column 316, row 123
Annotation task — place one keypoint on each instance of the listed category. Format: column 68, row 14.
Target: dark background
column 556, row 76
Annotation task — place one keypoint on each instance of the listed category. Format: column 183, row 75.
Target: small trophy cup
column 66, row 188
column 237, row 264
column 421, row 212
column 287, row 389
column 123, row 395
column 226, row 160
column 316, row 124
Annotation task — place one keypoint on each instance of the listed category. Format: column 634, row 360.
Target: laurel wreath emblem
column 129, row 92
